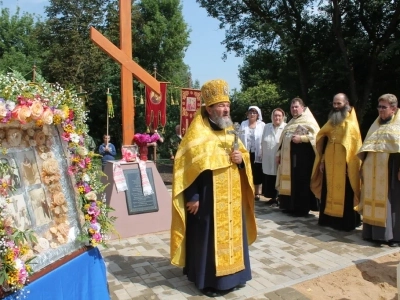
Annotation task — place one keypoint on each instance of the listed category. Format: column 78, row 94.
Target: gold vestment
column 381, row 140
column 340, row 156
column 306, row 120
column 203, row 148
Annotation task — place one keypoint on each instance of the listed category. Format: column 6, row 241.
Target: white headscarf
column 258, row 111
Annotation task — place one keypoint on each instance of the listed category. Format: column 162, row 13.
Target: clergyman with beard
column 335, row 179
column 213, row 219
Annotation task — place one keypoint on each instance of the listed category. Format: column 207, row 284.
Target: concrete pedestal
column 133, row 225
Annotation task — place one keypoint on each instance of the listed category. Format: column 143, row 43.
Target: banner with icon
column 190, row 103
column 156, row 107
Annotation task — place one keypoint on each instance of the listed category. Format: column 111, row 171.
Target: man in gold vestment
column 380, row 189
column 296, row 158
column 213, row 218
column 335, row 179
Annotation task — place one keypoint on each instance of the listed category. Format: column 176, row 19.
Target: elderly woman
column 251, row 132
column 269, row 145
column 380, row 169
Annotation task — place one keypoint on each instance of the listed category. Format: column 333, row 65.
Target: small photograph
column 29, row 168
column 19, row 212
column 40, row 206
column 13, row 172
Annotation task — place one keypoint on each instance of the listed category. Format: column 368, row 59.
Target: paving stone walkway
column 288, row 251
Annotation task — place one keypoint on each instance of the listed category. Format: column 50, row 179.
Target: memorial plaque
column 136, row 202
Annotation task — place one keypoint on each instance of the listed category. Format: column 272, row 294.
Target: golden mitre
column 215, row 91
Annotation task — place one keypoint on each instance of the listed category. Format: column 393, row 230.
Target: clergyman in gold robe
column 335, row 179
column 380, row 188
column 213, row 219
column 295, row 157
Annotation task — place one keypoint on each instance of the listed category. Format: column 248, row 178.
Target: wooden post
column 123, row 56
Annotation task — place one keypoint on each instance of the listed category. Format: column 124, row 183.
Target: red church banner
column 190, row 102
column 156, row 106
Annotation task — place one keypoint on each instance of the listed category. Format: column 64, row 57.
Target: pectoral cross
column 236, row 131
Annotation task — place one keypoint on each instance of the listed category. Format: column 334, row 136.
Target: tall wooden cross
column 129, row 68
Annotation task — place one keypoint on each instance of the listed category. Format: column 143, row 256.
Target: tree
column 71, row 57
column 265, row 95
column 19, row 48
column 330, row 46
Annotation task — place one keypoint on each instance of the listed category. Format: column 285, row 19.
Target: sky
column 204, row 55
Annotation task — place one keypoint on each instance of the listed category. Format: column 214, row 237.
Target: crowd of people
column 297, row 165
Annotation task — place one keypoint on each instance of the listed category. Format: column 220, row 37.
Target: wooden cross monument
column 123, row 56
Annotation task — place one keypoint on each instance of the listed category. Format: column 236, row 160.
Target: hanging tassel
column 110, row 107
column 141, row 100
column 172, row 101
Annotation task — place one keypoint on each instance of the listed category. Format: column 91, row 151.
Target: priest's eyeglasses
column 382, row 107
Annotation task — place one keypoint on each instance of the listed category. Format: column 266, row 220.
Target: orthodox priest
column 213, row 218
column 335, row 179
column 380, row 188
column 296, row 158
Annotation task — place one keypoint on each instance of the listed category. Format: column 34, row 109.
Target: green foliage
column 19, row 47
column 265, row 95
column 316, row 49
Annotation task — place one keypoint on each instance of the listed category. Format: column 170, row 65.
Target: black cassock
column 200, row 252
column 302, row 199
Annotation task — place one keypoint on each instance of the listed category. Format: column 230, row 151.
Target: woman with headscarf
column 251, row 132
column 269, row 146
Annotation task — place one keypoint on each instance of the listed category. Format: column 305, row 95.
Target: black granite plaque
column 136, row 202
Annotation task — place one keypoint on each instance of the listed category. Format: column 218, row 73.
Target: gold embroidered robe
column 307, row 120
column 205, row 149
column 380, row 142
column 340, row 156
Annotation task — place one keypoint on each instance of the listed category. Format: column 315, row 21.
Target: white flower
column 18, row 264
column 74, row 138
column 86, row 177
column 10, row 105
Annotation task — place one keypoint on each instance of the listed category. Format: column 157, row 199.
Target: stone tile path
column 288, row 251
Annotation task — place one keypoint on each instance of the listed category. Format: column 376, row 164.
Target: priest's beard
column 337, row 116
column 223, row 121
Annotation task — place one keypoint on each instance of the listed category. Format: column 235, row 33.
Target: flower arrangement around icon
column 27, row 112
column 15, row 252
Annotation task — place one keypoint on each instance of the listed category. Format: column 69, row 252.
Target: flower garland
column 27, row 110
column 15, row 254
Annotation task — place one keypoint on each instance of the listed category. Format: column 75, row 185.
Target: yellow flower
column 57, row 120
column 91, row 231
column 39, row 123
column 86, row 207
column 81, row 190
column 68, row 128
column 88, row 218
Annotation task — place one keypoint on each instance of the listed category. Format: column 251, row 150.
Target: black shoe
column 210, row 292
column 393, row 244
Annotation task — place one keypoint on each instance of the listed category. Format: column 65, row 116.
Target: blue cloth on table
column 82, row 278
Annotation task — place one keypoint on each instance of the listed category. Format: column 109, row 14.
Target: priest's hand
column 192, row 207
column 236, row 157
column 296, row 139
